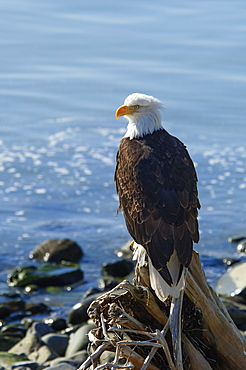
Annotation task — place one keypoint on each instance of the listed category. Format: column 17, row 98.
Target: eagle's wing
column 157, row 186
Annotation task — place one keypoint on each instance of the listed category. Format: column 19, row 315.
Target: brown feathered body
column 157, row 186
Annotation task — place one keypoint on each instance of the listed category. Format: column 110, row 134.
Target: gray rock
column 77, row 359
column 233, row 281
column 62, row 366
column 78, row 314
column 57, row 250
column 57, row 342
column 27, row 345
column 79, row 340
column 25, row 365
column 43, row 355
column 40, row 329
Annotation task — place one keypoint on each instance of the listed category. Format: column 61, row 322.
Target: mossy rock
column 8, row 359
column 46, row 275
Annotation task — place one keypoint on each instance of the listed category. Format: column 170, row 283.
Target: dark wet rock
column 11, row 306
column 241, row 247
column 233, row 281
column 31, row 288
column 236, row 310
column 125, row 251
column 58, row 324
column 38, row 308
column 57, row 342
column 16, row 330
column 91, row 291
column 118, row 269
column 46, row 275
column 9, row 359
column 236, row 238
column 25, row 365
column 107, row 284
column 39, row 329
column 10, row 335
column 79, row 340
column 7, row 342
column 242, row 294
column 78, row 313
column 57, row 250
column 230, row 261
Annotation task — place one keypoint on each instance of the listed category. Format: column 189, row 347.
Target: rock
column 46, row 275
column 233, row 281
column 107, row 284
column 27, row 345
column 40, row 329
column 236, row 238
column 63, row 366
column 11, row 306
column 8, row 359
column 78, row 313
column 241, row 247
column 31, row 342
column 125, row 251
column 43, row 355
column 242, row 294
column 57, row 342
column 230, row 261
column 10, row 335
column 25, row 365
column 237, row 311
column 34, row 309
column 118, row 269
column 107, row 356
column 78, row 358
column 58, row 324
column 15, row 330
column 79, row 340
column 57, row 250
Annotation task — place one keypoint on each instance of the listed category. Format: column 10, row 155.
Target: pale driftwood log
column 130, row 319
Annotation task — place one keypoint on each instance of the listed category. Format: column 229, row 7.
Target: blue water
column 65, row 68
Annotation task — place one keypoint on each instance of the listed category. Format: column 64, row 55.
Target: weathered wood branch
column 130, row 320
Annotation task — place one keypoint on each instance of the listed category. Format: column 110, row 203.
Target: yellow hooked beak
column 125, row 110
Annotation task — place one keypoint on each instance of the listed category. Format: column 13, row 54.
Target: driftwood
column 130, row 321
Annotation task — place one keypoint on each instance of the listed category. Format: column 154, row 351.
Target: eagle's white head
column 143, row 114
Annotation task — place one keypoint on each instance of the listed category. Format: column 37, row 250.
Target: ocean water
column 65, row 68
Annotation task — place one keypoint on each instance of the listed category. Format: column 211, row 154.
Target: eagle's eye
column 136, row 106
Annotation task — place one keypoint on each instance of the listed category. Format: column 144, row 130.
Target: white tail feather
column 158, row 284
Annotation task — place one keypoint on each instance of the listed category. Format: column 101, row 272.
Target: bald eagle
column 156, row 183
